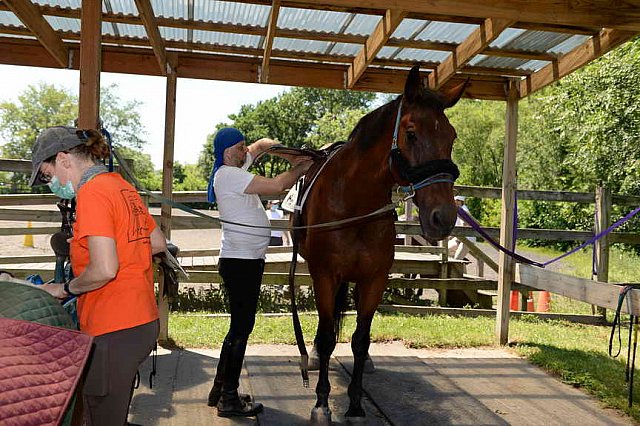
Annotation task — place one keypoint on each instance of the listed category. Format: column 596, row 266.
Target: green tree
column 43, row 105
column 291, row 118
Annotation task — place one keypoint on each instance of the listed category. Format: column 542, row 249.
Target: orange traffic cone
column 515, row 300
column 530, row 307
column 544, row 301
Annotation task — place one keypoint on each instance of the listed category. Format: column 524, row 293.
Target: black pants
column 112, row 367
column 242, row 279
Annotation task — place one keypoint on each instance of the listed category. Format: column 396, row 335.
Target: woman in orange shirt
column 114, row 237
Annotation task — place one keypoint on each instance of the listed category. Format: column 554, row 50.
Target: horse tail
column 340, row 308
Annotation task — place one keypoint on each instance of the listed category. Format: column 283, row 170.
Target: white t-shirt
column 240, row 242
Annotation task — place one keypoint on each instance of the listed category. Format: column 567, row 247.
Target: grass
column 575, row 353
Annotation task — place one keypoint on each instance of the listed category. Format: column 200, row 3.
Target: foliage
column 44, row 105
column 294, row 118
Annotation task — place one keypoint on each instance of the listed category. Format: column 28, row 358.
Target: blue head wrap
column 224, row 138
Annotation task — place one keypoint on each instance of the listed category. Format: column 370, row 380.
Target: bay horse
column 406, row 142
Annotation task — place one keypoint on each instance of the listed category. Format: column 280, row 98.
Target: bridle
column 409, row 178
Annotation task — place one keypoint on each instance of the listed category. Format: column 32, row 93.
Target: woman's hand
column 54, row 289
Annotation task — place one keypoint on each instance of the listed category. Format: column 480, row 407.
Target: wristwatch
column 65, row 286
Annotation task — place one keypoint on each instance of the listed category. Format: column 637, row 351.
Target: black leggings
column 242, row 279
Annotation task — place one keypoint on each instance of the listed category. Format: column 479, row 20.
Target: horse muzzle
column 438, row 223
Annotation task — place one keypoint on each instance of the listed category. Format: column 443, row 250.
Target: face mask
column 67, row 192
column 274, row 207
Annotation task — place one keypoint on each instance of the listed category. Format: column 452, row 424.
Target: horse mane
column 366, row 132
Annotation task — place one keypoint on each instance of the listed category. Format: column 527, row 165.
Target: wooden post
column 505, row 263
column 167, row 190
column 90, row 63
column 408, row 216
column 601, row 247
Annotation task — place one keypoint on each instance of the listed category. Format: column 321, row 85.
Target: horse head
column 422, row 158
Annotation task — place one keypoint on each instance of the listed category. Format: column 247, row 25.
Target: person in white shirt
column 242, row 253
column 458, row 249
column 274, row 212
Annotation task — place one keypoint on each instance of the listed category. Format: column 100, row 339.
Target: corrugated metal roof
column 126, row 7
column 569, row 44
column 171, row 9
column 128, row 30
column 227, row 39
column 64, row 24
column 294, row 45
column 536, row 41
column 74, row 4
column 447, row 32
column 311, row 20
column 230, row 12
column 362, row 24
column 177, row 34
column 345, row 49
column 8, row 18
column 415, row 55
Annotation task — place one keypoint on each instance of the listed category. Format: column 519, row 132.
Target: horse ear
column 413, row 87
column 452, row 96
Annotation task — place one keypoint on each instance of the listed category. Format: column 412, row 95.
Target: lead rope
column 297, row 328
column 633, row 332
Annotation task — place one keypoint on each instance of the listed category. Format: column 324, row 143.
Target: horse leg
column 326, row 342
column 360, row 341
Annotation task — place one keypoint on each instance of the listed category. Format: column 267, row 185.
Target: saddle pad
column 29, row 303
column 40, row 366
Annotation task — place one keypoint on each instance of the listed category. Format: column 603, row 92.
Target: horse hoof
column 321, row 416
column 369, row 367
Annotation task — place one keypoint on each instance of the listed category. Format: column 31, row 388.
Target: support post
column 167, row 191
column 601, row 247
column 505, row 263
column 90, row 63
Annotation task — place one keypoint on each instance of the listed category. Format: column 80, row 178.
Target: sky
column 200, row 104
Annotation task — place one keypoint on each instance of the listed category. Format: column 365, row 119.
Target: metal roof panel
column 311, row 20
column 64, row 24
column 230, row 12
column 227, row 39
column 362, row 24
column 294, row 45
column 9, row 18
column 446, row 32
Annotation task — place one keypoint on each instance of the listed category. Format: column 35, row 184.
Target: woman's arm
column 102, row 267
column 158, row 241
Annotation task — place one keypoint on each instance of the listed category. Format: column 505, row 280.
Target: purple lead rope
column 472, row 222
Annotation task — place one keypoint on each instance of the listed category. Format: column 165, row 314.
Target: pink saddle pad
column 40, row 367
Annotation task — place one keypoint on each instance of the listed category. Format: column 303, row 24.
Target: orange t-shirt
column 108, row 206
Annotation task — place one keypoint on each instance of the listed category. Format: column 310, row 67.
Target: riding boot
column 216, row 390
column 231, row 404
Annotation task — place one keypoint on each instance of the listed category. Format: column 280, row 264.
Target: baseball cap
column 459, row 198
column 50, row 142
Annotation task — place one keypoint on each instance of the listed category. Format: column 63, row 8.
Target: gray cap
column 50, row 142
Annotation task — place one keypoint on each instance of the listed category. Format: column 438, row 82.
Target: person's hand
column 55, row 289
column 303, row 164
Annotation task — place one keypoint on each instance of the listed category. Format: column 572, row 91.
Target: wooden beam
column 31, row 17
column 157, row 43
column 505, row 263
column 422, row 44
column 233, row 68
column 268, row 41
column 167, row 192
column 375, row 42
column 471, row 46
column 90, row 64
column 595, row 47
column 494, row 71
column 594, row 292
column 587, row 13
column 557, row 28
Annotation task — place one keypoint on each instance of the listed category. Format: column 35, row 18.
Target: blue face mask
column 67, row 192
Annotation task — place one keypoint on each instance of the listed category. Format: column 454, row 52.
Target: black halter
column 425, row 174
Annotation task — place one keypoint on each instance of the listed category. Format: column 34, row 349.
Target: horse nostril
column 436, row 218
